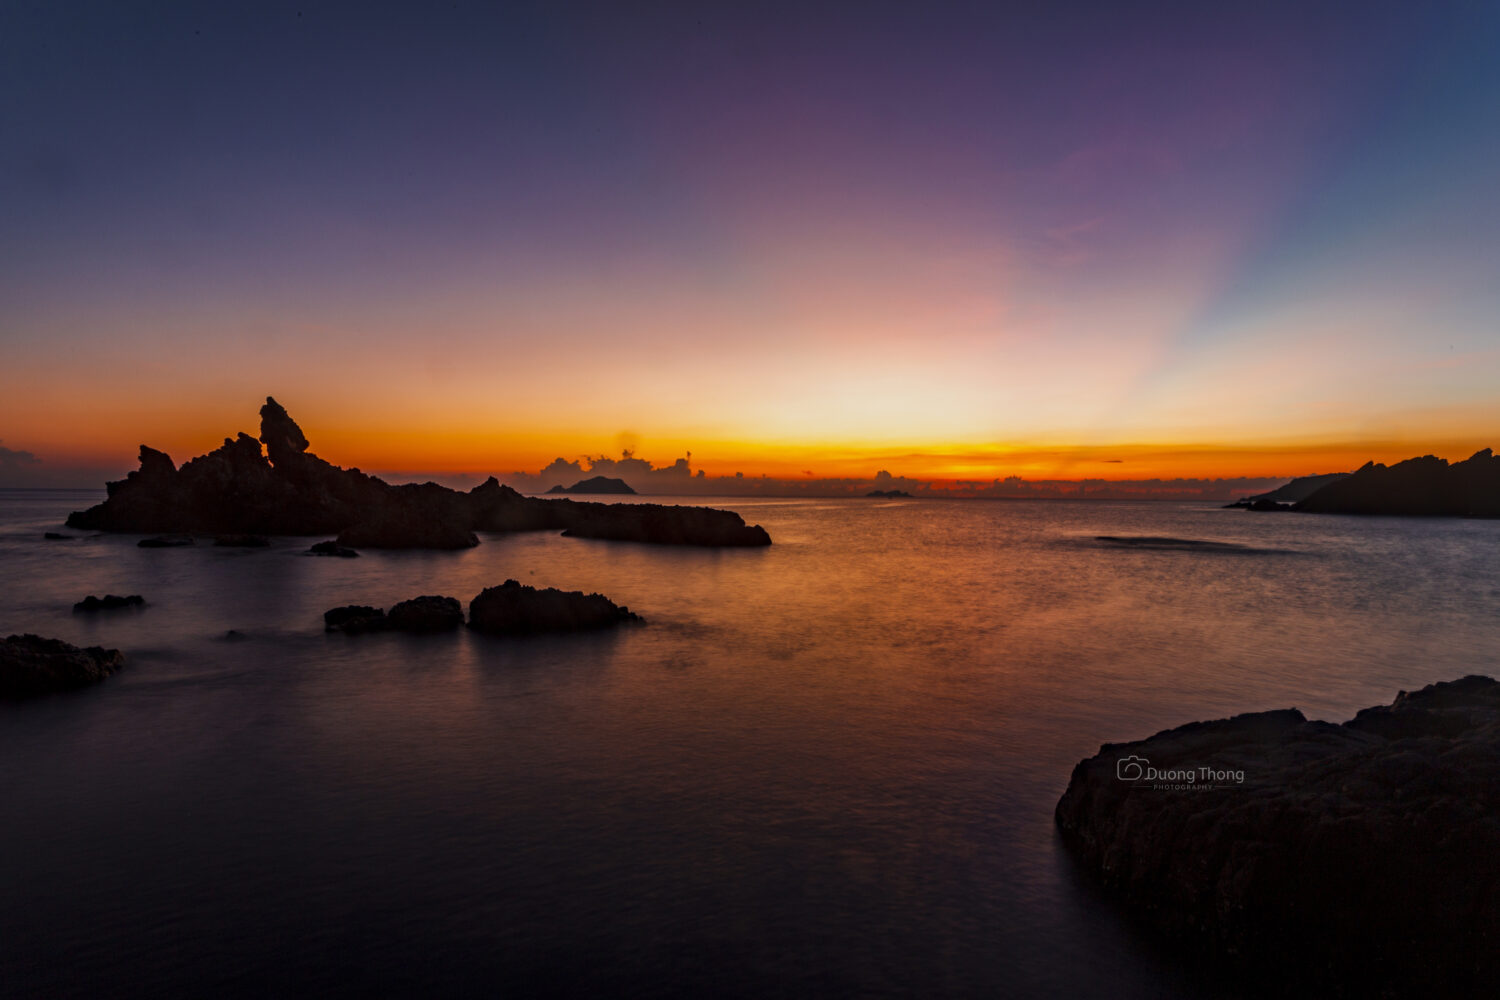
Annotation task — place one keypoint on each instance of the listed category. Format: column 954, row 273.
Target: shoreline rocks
column 1357, row 857
column 31, row 665
column 274, row 485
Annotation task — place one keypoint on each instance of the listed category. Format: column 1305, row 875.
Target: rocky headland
column 1361, row 858
column 1418, row 487
column 31, row 665
column 274, row 485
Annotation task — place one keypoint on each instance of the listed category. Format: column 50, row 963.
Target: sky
column 947, row 240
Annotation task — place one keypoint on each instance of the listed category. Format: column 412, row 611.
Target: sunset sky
column 948, row 240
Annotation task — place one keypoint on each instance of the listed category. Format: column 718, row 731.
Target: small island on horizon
column 598, row 484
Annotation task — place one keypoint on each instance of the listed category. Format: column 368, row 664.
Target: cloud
column 13, row 461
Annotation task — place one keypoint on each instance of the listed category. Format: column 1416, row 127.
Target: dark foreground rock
column 598, row 484
column 426, row 614
column 512, row 608
column 57, row 536
column 275, row 486
column 1361, row 858
column 31, row 665
column 109, row 602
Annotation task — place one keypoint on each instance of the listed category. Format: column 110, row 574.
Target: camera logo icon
column 1131, row 768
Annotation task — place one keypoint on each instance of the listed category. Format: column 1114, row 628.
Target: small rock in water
column 332, row 548
column 514, row 607
column 242, row 541
column 57, row 536
column 165, row 542
column 354, row 619
column 426, row 614
column 108, row 602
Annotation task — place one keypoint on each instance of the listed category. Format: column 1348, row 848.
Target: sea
column 823, row 768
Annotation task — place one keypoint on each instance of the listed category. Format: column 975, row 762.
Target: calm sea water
column 827, row 767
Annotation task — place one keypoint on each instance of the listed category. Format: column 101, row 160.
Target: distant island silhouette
column 238, row 489
column 598, row 484
column 889, row 494
column 1418, row 487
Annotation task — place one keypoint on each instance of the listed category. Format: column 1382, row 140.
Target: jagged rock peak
column 279, row 432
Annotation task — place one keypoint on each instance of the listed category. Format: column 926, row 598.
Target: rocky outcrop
column 1359, row 858
column 598, row 484
column 109, row 602
column 662, row 525
column 331, row 548
column 1426, row 486
column 426, row 614
column 275, row 486
column 513, row 608
column 31, row 665
column 354, row 619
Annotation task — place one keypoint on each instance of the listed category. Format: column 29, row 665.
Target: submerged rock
column 109, row 601
column 426, row 614
column 353, row 619
column 57, row 536
column 285, row 489
column 31, row 665
column 166, row 542
column 513, row 608
column 332, row 548
column 1363, row 857
column 242, row 541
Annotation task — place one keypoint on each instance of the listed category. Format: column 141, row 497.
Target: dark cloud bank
column 680, row 479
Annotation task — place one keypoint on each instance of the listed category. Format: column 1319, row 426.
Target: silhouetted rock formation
column 1364, row 856
column 31, row 665
column 891, row 494
column 1298, row 489
column 598, row 484
column 109, row 602
column 353, row 619
column 331, row 549
column 512, row 608
column 287, row 490
column 56, row 536
column 649, row 522
column 1418, row 486
column 426, row 614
